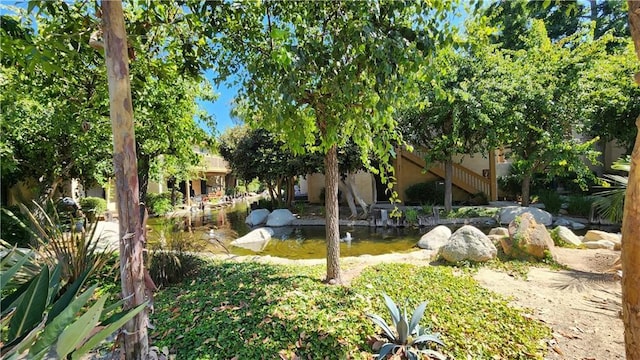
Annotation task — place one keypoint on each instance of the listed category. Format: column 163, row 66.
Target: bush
column 160, row 204
column 425, row 193
column 580, row 205
column 411, row 216
column 93, row 207
column 551, row 200
column 168, row 267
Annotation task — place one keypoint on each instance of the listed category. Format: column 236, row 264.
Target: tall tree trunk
column 631, row 225
column 354, row 190
column 331, row 180
column 350, row 198
column 448, row 184
column 136, row 343
column 526, row 189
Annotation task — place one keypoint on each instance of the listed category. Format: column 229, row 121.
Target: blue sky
column 221, row 107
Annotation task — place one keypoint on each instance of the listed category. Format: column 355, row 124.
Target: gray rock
column 527, row 239
column 562, row 222
column 508, row 214
column 255, row 240
column 257, row 217
column 435, row 239
column 280, row 217
column 567, row 236
column 577, row 225
column 468, row 243
column 599, row 244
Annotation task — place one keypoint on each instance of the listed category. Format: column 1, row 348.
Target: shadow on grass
column 257, row 311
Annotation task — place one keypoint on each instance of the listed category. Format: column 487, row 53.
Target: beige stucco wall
column 363, row 182
column 410, row 174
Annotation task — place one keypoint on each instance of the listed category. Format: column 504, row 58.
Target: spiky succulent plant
column 409, row 339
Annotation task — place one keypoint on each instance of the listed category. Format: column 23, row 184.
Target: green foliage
column 75, row 250
column 160, row 204
column 92, row 207
column 580, row 205
column 411, row 216
column 425, row 193
column 551, row 200
column 285, row 311
column 170, row 267
column 610, row 203
column 46, row 313
column 471, row 212
column 13, row 230
column 409, row 338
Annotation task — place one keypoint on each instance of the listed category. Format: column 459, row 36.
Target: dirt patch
column 580, row 305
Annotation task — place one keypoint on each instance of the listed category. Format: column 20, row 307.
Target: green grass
column 262, row 311
column 470, row 212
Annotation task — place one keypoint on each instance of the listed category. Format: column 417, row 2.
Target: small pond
column 301, row 242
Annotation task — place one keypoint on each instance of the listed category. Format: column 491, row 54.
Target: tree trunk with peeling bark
column 331, row 180
column 136, row 343
column 631, row 225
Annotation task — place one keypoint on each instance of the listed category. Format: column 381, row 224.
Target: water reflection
column 302, row 242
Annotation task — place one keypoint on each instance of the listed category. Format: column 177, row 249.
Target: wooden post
column 398, row 173
column 493, row 178
column 136, row 343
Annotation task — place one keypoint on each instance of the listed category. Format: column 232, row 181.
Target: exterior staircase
column 463, row 178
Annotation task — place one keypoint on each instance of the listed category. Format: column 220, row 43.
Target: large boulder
column 527, row 239
column 435, row 239
column 257, row 217
column 256, row 240
column 509, row 213
column 597, row 235
column 468, row 243
column 563, row 235
column 280, row 217
column 599, row 244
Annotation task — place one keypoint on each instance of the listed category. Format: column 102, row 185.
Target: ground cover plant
column 262, row 311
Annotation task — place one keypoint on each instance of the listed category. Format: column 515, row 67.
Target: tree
column 54, row 119
column 538, row 84
column 63, row 98
column 457, row 113
column 257, row 154
column 132, row 235
column 330, row 71
column 631, row 224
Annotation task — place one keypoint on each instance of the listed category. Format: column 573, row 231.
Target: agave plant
column 45, row 318
column 76, row 250
column 409, row 340
column 610, row 202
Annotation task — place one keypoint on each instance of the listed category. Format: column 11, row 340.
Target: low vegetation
column 251, row 311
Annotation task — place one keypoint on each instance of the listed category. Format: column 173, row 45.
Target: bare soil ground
column 581, row 305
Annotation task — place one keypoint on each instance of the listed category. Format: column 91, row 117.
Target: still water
column 302, row 242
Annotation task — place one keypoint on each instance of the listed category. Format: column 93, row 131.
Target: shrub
column 160, row 204
column 551, row 200
column 93, row 207
column 580, row 205
column 411, row 215
column 168, row 267
column 47, row 316
column 425, row 193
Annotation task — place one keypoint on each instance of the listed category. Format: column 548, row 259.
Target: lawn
column 232, row 310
